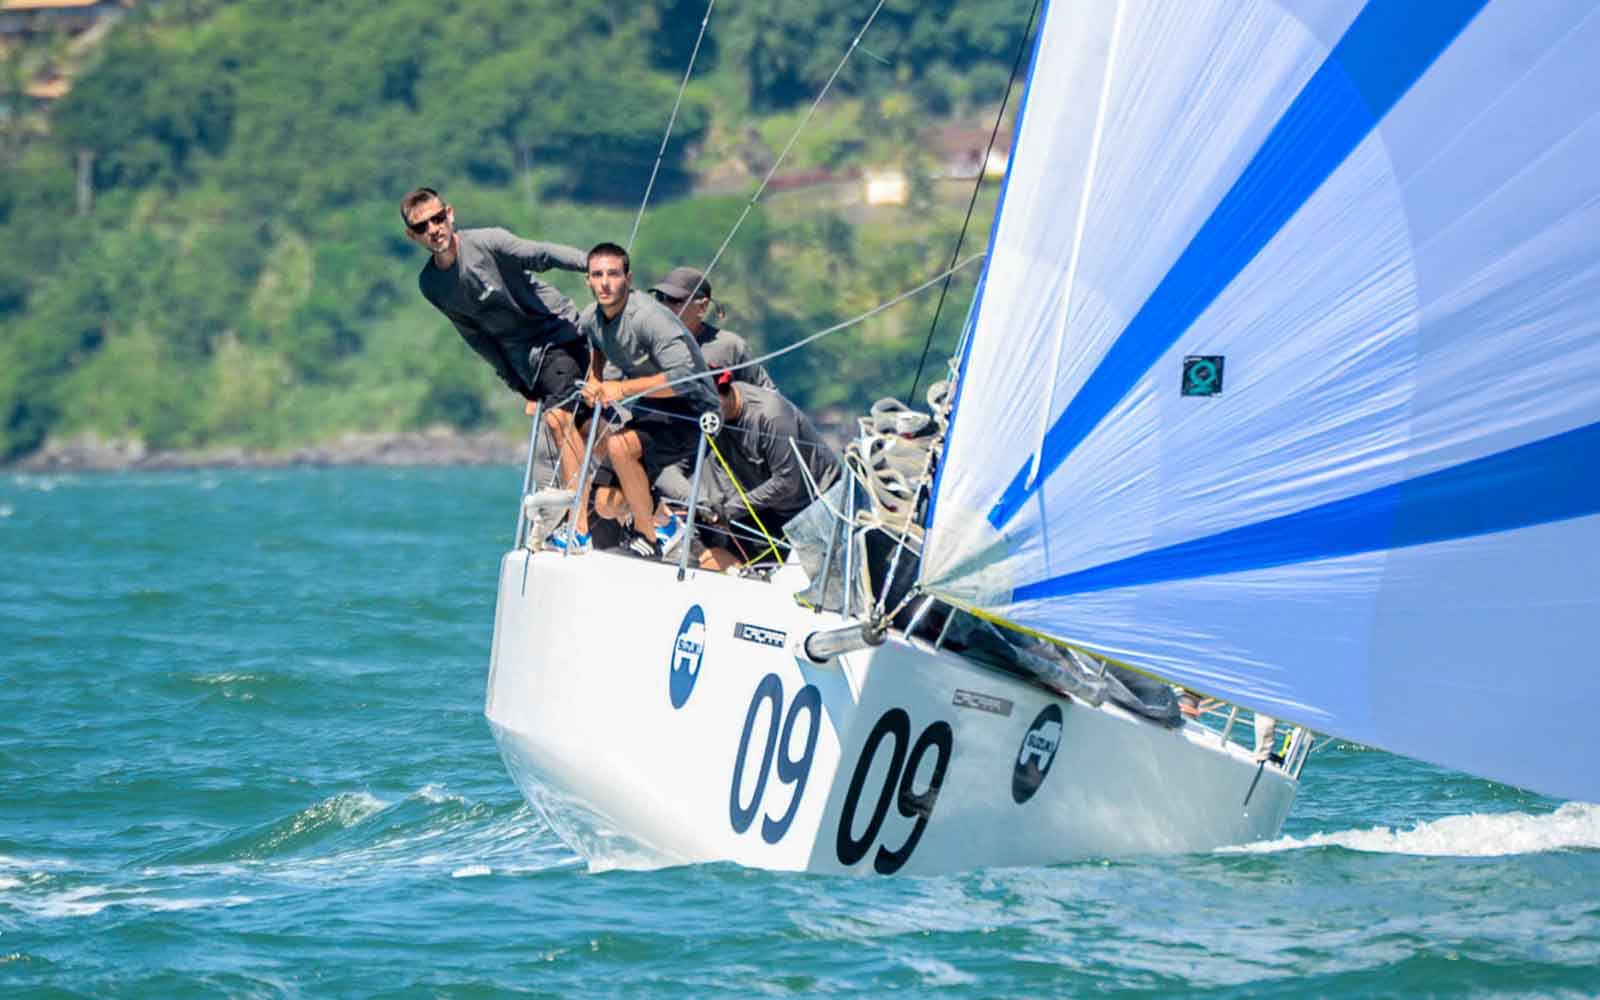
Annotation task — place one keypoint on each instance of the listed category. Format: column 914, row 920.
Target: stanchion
column 710, row 424
column 527, row 478
column 583, row 472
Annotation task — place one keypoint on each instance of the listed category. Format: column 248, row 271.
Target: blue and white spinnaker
column 1320, row 280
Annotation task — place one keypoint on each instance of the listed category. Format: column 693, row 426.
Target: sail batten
column 1323, row 427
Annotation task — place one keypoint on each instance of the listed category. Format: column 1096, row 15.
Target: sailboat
column 1281, row 384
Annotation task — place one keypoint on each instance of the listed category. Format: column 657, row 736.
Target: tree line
column 242, row 276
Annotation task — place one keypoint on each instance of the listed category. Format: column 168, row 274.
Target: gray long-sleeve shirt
column 724, row 348
column 497, row 305
column 757, row 445
column 646, row 339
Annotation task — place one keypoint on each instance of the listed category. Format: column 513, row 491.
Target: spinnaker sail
column 1322, row 282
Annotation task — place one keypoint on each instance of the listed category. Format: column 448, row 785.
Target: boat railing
column 1286, row 750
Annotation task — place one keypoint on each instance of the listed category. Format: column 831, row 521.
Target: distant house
column 41, row 93
column 961, row 152
column 29, row 17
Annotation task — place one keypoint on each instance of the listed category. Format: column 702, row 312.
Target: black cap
column 681, row 281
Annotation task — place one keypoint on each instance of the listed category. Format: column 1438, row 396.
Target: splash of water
column 1574, row 826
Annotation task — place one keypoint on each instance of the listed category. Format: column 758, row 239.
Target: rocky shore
column 434, row 446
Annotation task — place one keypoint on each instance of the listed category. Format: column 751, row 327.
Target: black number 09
column 902, row 772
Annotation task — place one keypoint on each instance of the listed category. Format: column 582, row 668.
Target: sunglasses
column 422, row 226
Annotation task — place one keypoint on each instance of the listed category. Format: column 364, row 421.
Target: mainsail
column 1321, row 280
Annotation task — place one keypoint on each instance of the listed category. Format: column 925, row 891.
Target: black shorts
column 665, row 441
column 560, row 373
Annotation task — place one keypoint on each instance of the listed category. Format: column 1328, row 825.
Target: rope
column 772, row 544
column 1016, row 64
column 671, row 120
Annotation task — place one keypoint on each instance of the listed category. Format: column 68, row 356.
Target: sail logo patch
column 1038, row 752
column 1202, row 375
column 758, row 635
column 687, row 652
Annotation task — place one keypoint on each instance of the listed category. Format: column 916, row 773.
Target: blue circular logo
column 687, row 651
column 1038, row 752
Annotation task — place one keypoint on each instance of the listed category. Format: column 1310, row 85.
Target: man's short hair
column 609, row 250
column 415, row 197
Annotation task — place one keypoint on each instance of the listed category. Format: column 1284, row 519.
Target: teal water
column 243, row 754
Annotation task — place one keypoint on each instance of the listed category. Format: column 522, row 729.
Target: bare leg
column 717, row 558
column 625, row 454
column 570, row 440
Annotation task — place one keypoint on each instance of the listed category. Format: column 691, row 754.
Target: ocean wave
column 1574, row 826
column 88, row 900
column 353, row 834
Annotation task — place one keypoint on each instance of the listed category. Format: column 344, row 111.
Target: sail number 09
column 905, row 760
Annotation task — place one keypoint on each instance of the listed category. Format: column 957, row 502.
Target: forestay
column 1321, row 433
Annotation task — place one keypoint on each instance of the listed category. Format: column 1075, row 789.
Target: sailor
column 483, row 281
column 688, row 294
column 777, row 457
column 649, row 348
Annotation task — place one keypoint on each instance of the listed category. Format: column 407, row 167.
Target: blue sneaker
column 558, row 541
column 670, row 534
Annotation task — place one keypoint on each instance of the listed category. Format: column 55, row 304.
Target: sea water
column 242, row 753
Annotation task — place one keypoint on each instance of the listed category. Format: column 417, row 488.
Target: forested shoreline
column 240, row 284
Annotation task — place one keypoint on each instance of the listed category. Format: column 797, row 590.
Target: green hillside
column 241, row 276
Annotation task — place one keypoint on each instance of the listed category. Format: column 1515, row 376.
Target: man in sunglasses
column 483, row 281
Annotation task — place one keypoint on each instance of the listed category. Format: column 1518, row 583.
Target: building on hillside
column 32, row 17
column 960, row 151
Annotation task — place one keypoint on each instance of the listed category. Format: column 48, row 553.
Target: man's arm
column 785, row 486
column 534, row 255
column 489, row 349
column 674, row 352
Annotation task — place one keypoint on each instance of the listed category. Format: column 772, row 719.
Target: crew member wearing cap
column 774, row 450
column 656, row 359
column 687, row 293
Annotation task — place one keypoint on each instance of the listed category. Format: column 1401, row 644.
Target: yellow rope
column 772, row 545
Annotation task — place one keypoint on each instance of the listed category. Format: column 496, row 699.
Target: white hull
column 587, row 664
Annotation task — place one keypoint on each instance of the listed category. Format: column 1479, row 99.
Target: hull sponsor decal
column 982, row 702
column 760, row 635
column 688, row 650
column 1039, row 746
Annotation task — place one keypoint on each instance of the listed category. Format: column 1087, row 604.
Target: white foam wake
column 1574, row 826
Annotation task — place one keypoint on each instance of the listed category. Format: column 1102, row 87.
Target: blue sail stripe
column 1388, row 46
column 1552, row 479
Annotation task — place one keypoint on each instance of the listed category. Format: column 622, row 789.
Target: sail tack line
column 672, row 120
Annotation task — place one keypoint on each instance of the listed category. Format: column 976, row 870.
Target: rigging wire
column 671, row 121
column 1016, row 65
column 802, row 342
column 804, row 121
